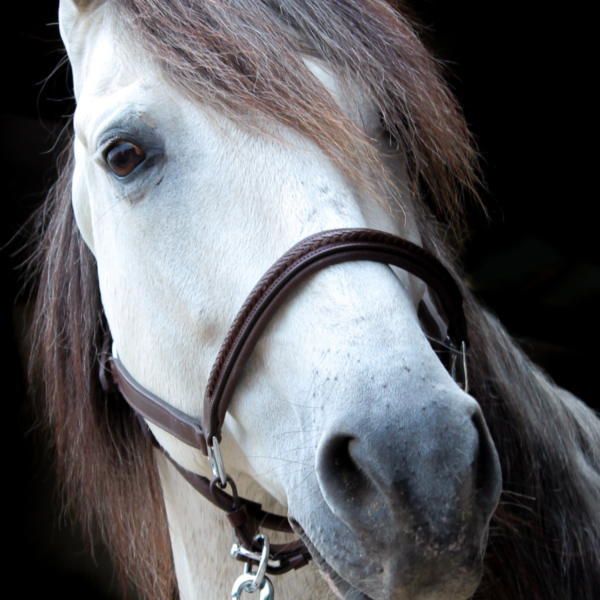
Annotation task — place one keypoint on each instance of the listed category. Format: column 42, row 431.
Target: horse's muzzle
column 416, row 484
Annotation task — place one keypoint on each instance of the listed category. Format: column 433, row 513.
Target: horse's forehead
column 108, row 80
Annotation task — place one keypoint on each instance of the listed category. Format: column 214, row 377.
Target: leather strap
column 295, row 266
column 157, row 411
column 247, row 517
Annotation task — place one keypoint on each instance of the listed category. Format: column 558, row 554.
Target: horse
column 209, row 138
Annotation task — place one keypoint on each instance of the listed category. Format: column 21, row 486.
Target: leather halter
column 305, row 258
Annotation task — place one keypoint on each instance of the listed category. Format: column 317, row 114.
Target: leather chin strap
column 307, row 257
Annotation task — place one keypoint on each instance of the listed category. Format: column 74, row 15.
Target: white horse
column 345, row 418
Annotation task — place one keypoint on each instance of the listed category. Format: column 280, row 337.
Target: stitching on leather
column 278, row 271
column 272, row 276
column 272, row 279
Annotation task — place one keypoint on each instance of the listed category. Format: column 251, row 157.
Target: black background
column 523, row 77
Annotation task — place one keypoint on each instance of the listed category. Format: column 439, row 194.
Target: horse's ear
column 70, row 12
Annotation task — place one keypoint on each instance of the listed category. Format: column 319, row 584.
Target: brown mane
column 243, row 59
column 545, row 537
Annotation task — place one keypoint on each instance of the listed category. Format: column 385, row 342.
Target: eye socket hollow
column 124, row 157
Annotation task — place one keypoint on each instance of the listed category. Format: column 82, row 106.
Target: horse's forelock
column 243, row 58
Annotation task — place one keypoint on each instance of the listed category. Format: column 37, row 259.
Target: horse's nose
column 430, row 469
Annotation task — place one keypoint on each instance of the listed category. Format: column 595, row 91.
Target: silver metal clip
column 216, row 462
column 239, row 550
column 243, row 581
column 252, row 582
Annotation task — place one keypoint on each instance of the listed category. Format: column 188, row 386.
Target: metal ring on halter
column 262, row 565
column 221, row 500
column 266, row 592
column 216, row 462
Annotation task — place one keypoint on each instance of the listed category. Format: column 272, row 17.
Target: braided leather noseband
column 305, row 258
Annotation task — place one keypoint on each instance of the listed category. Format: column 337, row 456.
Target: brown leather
column 246, row 517
column 157, row 411
column 295, row 266
column 309, row 256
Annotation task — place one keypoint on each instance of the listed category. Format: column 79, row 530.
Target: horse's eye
column 124, row 157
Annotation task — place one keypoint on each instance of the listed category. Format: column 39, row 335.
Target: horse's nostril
column 340, row 475
column 437, row 474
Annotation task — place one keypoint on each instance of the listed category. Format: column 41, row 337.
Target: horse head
column 344, row 415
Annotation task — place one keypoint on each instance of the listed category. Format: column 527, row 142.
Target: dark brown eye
column 124, row 157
